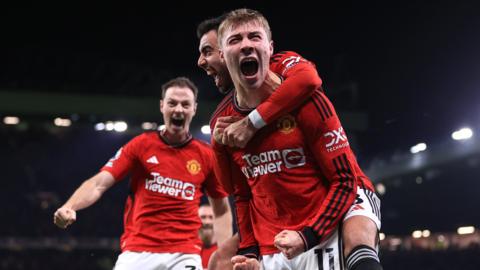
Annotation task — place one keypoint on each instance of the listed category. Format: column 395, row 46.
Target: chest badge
column 286, row 124
column 193, row 166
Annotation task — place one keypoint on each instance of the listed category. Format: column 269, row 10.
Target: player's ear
column 161, row 105
column 271, row 47
column 194, row 109
column 222, row 57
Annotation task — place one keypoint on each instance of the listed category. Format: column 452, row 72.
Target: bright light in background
column 462, row 134
column 149, row 125
column 425, row 233
column 120, row 126
column 11, row 120
column 381, row 188
column 109, row 126
column 62, row 122
column 441, row 238
column 418, row 148
column 417, row 234
column 466, row 230
column 382, row 236
column 205, row 129
column 161, row 127
column 395, row 241
column 99, row 126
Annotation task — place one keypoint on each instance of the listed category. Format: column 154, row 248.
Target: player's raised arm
column 87, row 194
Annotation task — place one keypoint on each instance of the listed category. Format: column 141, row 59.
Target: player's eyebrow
column 205, row 47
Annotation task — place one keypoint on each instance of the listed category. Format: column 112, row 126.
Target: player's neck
column 175, row 138
column 251, row 98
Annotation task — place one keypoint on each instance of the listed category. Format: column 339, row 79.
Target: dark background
column 412, row 68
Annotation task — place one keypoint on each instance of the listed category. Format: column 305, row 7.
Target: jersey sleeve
column 121, row 164
column 300, row 81
column 235, row 182
column 329, row 144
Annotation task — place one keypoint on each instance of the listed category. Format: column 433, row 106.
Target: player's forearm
column 84, row 196
column 222, row 226
column 90, row 191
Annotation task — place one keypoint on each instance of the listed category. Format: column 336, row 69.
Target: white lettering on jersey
column 170, row 186
column 338, row 140
column 271, row 161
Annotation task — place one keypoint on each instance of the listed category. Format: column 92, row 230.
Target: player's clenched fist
column 222, row 123
column 290, row 243
column 243, row 263
column 63, row 217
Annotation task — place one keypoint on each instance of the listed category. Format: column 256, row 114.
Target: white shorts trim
column 366, row 204
column 130, row 260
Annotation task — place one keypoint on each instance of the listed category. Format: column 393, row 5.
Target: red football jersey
column 206, row 253
column 161, row 212
column 301, row 173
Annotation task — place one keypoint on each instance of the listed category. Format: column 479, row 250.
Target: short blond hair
column 240, row 16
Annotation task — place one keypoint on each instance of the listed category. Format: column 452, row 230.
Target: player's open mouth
column 249, row 66
column 178, row 121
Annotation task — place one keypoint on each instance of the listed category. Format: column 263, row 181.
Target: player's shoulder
column 282, row 61
column 147, row 135
column 143, row 139
column 282, row 56
column 222, row 108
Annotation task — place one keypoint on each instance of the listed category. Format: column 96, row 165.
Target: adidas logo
column 152, row 160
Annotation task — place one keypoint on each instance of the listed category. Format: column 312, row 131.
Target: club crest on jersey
column 193, row 167
column 286, row 124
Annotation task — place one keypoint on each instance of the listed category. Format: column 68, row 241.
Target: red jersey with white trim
column 300, row 170
column 161, row 213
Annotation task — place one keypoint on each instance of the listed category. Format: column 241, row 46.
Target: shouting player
column 168, row 171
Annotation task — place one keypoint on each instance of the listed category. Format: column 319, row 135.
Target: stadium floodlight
column 109, row 125
column 462, row 134
column 425, row 233
column 120, row 126
column 11, row 120
column 205, row 129
column 62, row 122
column 418, row 148
column 417, row 234
column 99, row 126
column 149, row 125
column 382, row 236
column 466, row 230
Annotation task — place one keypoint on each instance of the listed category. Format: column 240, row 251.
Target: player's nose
column 202, row 62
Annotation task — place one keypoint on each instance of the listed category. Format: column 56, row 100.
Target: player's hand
column 243, row 263
column 64, row 216
column 221, row 124
column 290, row 243
column 238, row 134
